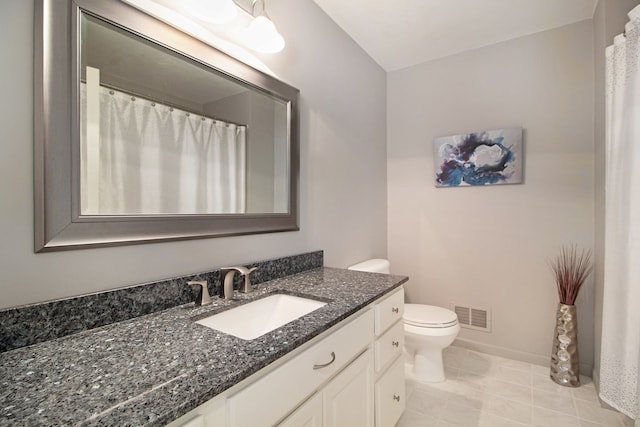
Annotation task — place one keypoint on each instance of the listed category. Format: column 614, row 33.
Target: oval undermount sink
column 254, row 319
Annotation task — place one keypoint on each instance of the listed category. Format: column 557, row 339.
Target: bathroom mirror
column 145, row 134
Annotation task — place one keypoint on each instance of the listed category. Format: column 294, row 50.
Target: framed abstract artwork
column 481, row 158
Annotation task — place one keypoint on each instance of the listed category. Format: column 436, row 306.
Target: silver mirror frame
column 58, row 222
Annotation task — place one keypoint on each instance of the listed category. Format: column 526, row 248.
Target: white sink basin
column 256, row 318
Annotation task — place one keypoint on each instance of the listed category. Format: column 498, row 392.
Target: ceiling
column 401, row 33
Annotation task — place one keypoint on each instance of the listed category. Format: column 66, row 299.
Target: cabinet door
column 307, row 415
column 390, row 395
column 348, row 398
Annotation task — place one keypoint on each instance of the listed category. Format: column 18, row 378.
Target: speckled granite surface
column 31, row 324
column 151, row 370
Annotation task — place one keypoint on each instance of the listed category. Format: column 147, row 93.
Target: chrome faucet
column 229, row 273
column 203, row 297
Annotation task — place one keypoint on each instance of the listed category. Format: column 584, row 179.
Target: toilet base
column 428, row 366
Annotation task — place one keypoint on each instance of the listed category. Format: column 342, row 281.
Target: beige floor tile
column 477, row 381
column 410, row 387
column 540, row 369
column 546, row 384
column 453, row 357
column 586, row 381
column 488, row 391
column 490, row 420
column 515, row 376
column 460, row 414
column 516, row 364
column 416, row 419
column 478, row 363
column 546, row 418
column 554, row 401
column 517, row 393
column 426, row 404
column 590, row 411
column 468, row 396
column 585, row 393
column 451, row 373
column 514, row 411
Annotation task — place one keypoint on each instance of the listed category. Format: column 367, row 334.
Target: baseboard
column 536, row 359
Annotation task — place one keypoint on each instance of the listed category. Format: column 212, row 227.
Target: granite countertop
column 150, row 370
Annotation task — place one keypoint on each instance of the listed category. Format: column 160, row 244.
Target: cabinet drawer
column 389, row 346
column 389, row 311
column 271, row 397
column 390, row 395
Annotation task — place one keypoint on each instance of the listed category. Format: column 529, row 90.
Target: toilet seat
column 429, row 316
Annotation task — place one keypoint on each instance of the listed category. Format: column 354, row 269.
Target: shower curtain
column 151, row 158
column 620, row 355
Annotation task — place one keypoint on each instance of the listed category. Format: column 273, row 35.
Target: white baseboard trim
column 536, row 359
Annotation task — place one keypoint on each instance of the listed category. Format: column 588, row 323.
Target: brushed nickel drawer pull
column 333, row 359
column 395, row 343
column 396, row 398
column 395, row 310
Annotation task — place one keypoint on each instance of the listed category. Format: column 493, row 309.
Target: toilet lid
column 429, row 316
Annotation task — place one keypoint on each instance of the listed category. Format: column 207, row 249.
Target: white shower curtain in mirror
column 620, row 355
column 153, row 158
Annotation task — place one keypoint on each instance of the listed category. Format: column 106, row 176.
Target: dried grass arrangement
column 571, row 269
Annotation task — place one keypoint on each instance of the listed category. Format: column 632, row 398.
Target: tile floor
column 489, row 391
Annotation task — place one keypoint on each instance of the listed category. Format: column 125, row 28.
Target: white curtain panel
column 157, row 159
column 620, row 356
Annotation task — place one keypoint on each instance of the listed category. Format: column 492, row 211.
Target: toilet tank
column 376, row 265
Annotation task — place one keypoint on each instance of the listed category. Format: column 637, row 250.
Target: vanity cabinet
column 354, row 376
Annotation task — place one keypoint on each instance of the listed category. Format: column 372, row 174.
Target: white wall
column 489, row 246
column 342, row 179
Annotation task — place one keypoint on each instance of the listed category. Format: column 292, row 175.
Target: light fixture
column 214, row 11
column 262, row 35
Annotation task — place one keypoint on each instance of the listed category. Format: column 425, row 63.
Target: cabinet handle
column 333, row 359
column 395, row 343
column 396, row 398
column 395, row 310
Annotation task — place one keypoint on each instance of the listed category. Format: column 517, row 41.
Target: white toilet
column 428, row 330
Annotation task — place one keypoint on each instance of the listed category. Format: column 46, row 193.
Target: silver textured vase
column 565, row 367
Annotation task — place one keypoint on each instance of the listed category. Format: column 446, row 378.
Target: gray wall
column 342, row 179
column 609, row 20
column 488, row 247
column 257, row 112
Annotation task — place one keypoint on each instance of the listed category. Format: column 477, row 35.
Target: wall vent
column 475, row 318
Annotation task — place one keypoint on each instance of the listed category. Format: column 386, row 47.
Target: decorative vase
column 565, row 368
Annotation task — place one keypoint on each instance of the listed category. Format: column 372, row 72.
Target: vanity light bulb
column 262, row 36
column 213, row 11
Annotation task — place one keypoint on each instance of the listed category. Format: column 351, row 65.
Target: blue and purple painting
column 482, row 158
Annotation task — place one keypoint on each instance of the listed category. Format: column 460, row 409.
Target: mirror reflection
column 164, row 134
